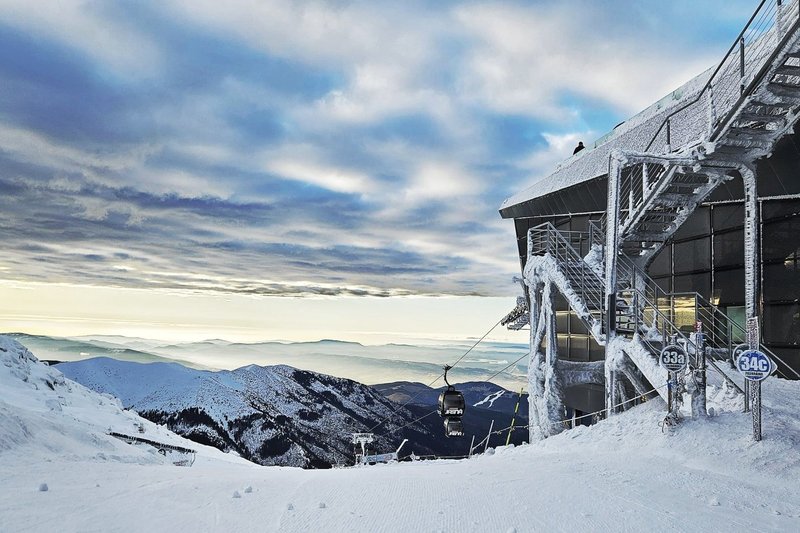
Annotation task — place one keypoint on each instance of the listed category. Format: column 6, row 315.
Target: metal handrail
column 739, row 44
column 649, row 295
column 735, row 325
column 545, row 238
column 670, row 330
column 702, row 302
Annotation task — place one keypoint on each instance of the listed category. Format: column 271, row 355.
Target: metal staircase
column 654, row 196
column 644, row 314
column 749, row 102
column 574, row 277
column 663, row 312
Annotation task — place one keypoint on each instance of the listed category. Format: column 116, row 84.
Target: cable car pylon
column 451, row 407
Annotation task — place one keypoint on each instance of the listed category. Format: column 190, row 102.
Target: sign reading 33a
column 673, row 358
column 754, row 365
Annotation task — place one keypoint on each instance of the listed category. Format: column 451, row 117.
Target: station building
column 684, row 218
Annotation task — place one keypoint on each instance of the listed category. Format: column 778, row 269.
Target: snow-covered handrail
column 741, row 68
column 735, row 327
column 719, row 328
column 585, row 282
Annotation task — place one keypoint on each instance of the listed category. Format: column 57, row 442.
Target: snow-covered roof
column 632, row 135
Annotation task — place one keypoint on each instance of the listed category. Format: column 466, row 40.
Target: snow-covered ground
column 622, row 474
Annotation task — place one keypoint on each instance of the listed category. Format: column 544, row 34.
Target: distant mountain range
column 280, row 415
column 364, row 363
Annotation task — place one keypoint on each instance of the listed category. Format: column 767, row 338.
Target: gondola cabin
column 453, row 427
column 451, row 407
column 451, row 402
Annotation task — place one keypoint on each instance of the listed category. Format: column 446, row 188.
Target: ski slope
column 622, row 474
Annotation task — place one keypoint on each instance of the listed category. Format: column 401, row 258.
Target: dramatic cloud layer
column 310, row 148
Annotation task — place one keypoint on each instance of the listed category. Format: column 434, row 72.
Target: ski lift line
column 440, row 376
column 418, row 419
column 506, row 368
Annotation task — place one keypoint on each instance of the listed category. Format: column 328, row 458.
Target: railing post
column 741, row 65
column 615, row 164
column 711, row 109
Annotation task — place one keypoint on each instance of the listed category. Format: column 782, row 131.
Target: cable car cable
column 430, row 385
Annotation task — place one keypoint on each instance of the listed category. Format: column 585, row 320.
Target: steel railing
column 644, row 307
column 721, row 333
column 734, row 77
column 585, row 282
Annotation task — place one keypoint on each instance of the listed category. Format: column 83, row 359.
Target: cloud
column 331, row 178
column 526, row 57
column 308, row 148
column 90, row 30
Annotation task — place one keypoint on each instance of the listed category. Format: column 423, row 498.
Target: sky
column 258, row 169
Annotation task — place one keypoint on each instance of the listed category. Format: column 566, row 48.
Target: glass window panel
column 662, row 263
column 562, row 321
column 692, row 255
column 681, row 309
column 779, row 240
column 698, row 223
column 694, row 283
column 596, row 352
column 578, row 348
column 576, row 325
column 559, row 302
column 729, row 249
column 782, row 282
column 790, row 356
column 738, row 316
column 781, row 324
column 779, row 208
column 664, row 283
column 580, row 223
column 728, row 216
column 729, row 287
column 728, row 190
column 563, row 345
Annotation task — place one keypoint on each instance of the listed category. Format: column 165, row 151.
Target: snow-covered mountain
column 275, row 415
column 42, row 413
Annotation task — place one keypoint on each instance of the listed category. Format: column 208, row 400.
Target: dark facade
column 706, row 255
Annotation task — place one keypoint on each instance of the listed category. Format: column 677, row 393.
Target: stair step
column 748, row 132
column 786, row 91
column 763, row 108
column 695, row 179
column 788, row 70
column 741, row 143
column 669, row 198
column 659, row 216
column 684, row 189
column 746, row 116
column 645, row 237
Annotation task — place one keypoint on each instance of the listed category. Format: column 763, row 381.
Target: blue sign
column 754, row 365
